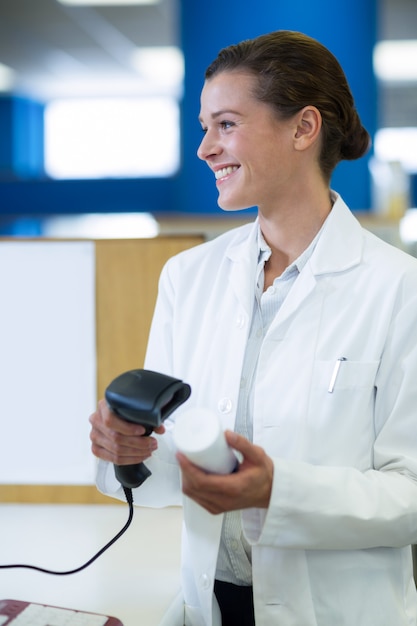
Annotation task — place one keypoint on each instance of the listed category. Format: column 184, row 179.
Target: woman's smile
column 224, row 172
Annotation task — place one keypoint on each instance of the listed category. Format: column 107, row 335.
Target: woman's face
column 249, row 149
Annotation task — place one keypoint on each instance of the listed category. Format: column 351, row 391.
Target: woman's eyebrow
column 219, row 113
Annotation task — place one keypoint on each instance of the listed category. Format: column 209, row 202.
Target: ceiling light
column 397, row 144
column 6, row 78
column 107, row 2
column 102, row 226
column 396, row 60
column 161, row 66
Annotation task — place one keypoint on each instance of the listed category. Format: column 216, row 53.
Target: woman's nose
column 208, row 147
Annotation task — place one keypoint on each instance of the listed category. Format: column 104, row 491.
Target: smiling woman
column 299, row 333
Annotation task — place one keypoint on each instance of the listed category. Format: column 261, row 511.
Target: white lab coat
column 333, row 547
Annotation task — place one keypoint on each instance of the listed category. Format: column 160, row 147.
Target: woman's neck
column 290, row 228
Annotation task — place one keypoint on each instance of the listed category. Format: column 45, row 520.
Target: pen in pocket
column 335, row 373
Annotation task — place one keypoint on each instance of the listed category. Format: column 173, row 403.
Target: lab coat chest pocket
column 348, row 375
column 340, row 424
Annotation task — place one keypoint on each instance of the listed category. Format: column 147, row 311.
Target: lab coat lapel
column 244, row 260
column 300, row 291
column 340, row 245
column 338, row 249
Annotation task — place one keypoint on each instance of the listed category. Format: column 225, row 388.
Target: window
column 398, row 144
column 112, row 137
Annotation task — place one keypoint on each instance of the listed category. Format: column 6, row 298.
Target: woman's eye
column 226, row 124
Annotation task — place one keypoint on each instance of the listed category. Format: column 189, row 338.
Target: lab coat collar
column 339, row 248
column 340, row 245
column 244, row 256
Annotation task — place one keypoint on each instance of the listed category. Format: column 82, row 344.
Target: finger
column 116, row 442
column 241, row 444
column 249, row 487
column 105, row 418
column 122, row 450
column 199, row 482
column 210, row 491
column 105, row 455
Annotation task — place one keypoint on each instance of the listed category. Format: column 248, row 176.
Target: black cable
column 129, row 499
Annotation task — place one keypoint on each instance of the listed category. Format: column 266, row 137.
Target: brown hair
column 293, row 71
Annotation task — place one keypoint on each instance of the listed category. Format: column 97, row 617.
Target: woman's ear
column 309, row 123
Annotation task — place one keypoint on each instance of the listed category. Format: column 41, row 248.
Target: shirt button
column 205, row 581
column 240, row 321
column 234, row 544
column 259, row 332
column 225, row 405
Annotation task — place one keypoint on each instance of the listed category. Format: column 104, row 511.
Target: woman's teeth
column 225, row 171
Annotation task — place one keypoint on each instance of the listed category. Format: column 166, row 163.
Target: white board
column 47, row 361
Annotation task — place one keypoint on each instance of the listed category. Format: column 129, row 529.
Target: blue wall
column 347, row 28
column 21, row 132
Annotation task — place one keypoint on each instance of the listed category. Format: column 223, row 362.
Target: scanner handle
column 132, row 476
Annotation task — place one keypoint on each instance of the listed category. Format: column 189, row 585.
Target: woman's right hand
column 118, row 441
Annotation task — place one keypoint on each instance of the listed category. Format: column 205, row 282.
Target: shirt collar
column 264, row 252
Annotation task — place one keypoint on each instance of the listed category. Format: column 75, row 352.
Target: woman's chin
column 230, row 207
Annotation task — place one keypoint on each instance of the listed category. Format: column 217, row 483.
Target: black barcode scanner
column 147, row 398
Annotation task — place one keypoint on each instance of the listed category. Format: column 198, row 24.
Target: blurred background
column 99, row 102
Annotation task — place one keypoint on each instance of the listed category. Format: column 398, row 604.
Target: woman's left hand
column 249, row 487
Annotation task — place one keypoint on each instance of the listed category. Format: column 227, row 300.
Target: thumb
column 240, row 443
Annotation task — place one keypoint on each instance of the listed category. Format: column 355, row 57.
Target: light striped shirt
column 234, row 559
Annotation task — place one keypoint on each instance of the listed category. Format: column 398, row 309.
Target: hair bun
column 357, row 142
